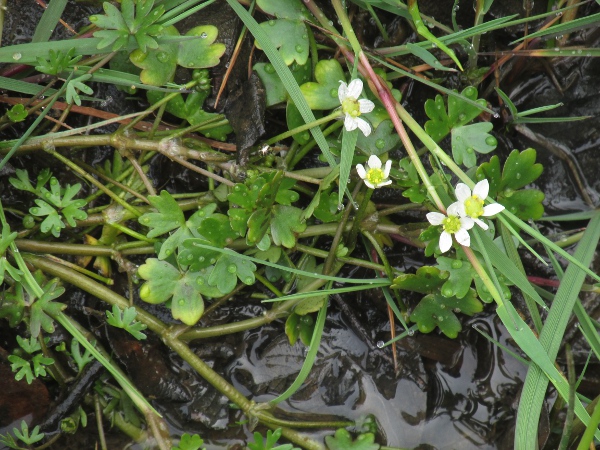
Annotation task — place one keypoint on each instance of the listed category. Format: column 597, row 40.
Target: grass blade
column 315, row 342
column 534, row 388
column 49, row 20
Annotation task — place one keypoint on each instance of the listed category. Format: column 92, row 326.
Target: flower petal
column 355, row 88
column 350, row 123
column 481, row 223
column 374, row 162
column 364, row 126
column 342, row 91
column 494, row 208
column 435, row 218
column 369, row 184
column 482, row 189
column 462, row 192
column 365, row 106
column 463, row 238
column 455, row 209
column 360, row 169
column 446, row 241
column 386, row 170
column 385, row 183
column 466, row 223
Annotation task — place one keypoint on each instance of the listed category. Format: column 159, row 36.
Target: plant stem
column 307, row 126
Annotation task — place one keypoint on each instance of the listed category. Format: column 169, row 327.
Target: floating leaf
column 380, row 141
column 276, row 91
column 323, row 94
column 459, row 276
column 227, row 271
column 164, row 281
column 158, row 65
column 426, row 280
column 435, row 310
column 286, row 221
column 289, row 9
column 468, row 139
column 290, row 37
column 520, row 170
column 459, row 113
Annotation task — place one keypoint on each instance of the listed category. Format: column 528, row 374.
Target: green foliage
column 6, row 238
column 409, row 179
column 520, row 169
column 228, row 270
column 342, row 440
column 290, row 37
column 75, row 85
column 17, row 113
column 29, row 369
column 189, row 442
column 270, row 443
column 383, row 139
column 257, row 213
column 57, row 61
column 323, row 93
column 190, row 109
column 165, row 281
column 310, row 303
column 29, row 438
column 13, row 304
column 54, row 204
column 125, row 319
column 459, row 278
column 80, row 359
column 276, row 91
column 297, row 326
column 44, row 308
column 159, row 63
column 426, row 280
column 288, row 33
column 137, row 18
column 466, row 140
column 437, row 310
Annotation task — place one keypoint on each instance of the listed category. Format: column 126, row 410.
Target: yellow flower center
column 351, row 107
column 474, row 206
column 451, row 224
column 375, row 176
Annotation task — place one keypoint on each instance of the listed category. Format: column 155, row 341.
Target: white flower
column 352, row 107
column 453, row 224
column 471, row 205
column 374, row 176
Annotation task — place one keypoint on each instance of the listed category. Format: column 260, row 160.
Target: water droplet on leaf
column 491, row 141
column 232, row 268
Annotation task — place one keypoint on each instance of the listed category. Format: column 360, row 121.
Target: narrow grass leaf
column 321, row 292
column 285, row 75
column 348, row 145
column 576, row 216
column 508, row 268
column 22, row 87
column 372, row 281
column 534, row 388
column 315, row 342
column 564, row 28
column 49, row 20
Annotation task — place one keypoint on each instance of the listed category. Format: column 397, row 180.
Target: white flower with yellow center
column 452, row 224
column 472, row 203
column 373, row 175
column 352, row 107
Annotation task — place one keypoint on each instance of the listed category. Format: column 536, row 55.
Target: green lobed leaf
column 435, row 310
column 276, row 92
column 342, row 440
column 459, row 276
column 323, row 93
column 227, row 271
column 286, row 221
column 290, row 37
column 168, row 216
column 43, row 309
column 468, row 139
column 426, row 280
